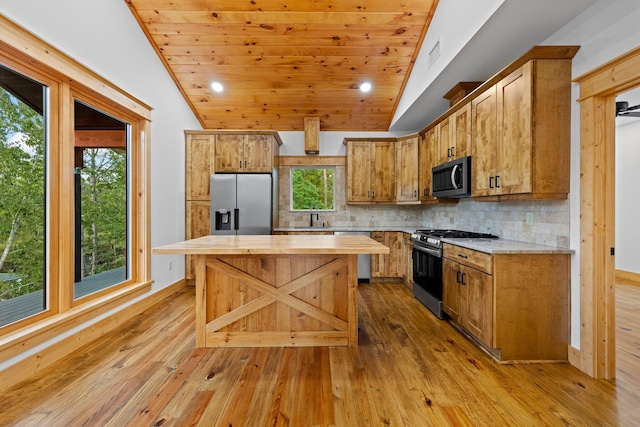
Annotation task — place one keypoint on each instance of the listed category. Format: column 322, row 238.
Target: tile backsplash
column 548, row 225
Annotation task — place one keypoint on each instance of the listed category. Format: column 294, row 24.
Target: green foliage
column 312, row 188
column 23, row 203
column 22, row 198
column 104, row 210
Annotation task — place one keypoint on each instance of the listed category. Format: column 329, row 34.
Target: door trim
column 598, row 89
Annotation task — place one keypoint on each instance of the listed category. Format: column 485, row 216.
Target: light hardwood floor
column 409, row 369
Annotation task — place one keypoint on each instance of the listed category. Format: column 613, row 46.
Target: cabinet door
column 407, row 167
column 461, row 146
column 445, row 141
column 378, row 261
column 258, row 153
column 408, row 259
column 484, row 134
column 477, row 304
column 199, row 156
column 514, row 103
column 198, row 225
column 428, row 145
column 394, row 267
column 451, row 295
column 383, row 173
column 229, row 153
column 391, row 265
column 359, row 162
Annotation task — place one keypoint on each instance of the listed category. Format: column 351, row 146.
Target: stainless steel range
column 427, row 264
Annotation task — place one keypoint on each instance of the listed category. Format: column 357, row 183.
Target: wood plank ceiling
column 282, row 60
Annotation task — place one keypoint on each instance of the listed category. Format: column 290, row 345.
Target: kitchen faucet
column 311, row 206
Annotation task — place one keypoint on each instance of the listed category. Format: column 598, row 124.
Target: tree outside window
column 312, row 188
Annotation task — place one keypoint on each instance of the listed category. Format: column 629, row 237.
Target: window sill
column 19, row 341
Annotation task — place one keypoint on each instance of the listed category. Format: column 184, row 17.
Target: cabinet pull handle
column 415, row 193
column 490, row 182
column 453, row 151
column 448, row 152
column 463, row 256
column 497, row 182
column 240, row 166
column 457, row 277
column 245, row 164
column 462, row 281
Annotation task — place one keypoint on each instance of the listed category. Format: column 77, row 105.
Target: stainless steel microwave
column 452, row 179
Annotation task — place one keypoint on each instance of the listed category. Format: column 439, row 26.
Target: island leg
column 352, row 299
column 201, row 300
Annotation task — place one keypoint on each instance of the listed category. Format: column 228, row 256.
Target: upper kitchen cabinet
column 427, row 155
column 407, row 168
column 371, row 171
column 521, row 132
column 451, row 136
column 460, row 134
column 199, row 164
column 244, row 153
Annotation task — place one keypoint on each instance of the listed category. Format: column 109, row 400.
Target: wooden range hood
column 312, row 135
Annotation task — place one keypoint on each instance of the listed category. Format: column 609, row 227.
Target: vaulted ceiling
column 282, row 60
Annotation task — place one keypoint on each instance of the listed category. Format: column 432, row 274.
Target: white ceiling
column 512, row 30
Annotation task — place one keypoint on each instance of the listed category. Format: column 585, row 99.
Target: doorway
column 598, row 90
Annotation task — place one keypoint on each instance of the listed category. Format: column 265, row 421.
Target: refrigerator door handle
column 236, row 214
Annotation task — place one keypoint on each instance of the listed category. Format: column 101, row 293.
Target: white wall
column 330, row 142
column 628, row 193
column 604, row 31
column 104, row 36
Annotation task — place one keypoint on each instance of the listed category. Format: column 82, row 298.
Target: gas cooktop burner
column 454, row 234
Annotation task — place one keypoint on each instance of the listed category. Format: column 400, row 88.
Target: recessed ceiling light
column 365, row 87
column 216, row 86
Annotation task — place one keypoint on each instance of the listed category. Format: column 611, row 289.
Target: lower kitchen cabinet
column 391, row 267
column 198, row 225
column 516, row 306
column 407, row 248
column 468, row 299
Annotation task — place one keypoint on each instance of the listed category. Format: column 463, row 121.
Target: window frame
column 68, row 80
column 292, row 168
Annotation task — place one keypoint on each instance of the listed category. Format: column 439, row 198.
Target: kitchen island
column 265, row 291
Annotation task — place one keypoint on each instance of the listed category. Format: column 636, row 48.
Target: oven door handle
column 434, row 252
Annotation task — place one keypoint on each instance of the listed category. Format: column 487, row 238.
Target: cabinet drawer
column 475, row 259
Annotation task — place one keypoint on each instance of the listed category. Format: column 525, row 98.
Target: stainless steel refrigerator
column 241, row 203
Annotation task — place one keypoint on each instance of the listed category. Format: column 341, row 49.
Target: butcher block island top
column 272, row 245
column 284, row 290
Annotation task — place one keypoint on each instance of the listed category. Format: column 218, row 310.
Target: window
column 312, row 188
column 74, row 209
column 101, row 200
column 22, row 199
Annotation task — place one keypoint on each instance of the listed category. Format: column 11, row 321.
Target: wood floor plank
column 409, row 369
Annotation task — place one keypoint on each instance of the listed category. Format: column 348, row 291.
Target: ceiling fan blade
column 628, row 114
column 623, row 109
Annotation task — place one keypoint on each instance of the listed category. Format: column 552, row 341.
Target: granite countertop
column 504, row 246
column 404, row 229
